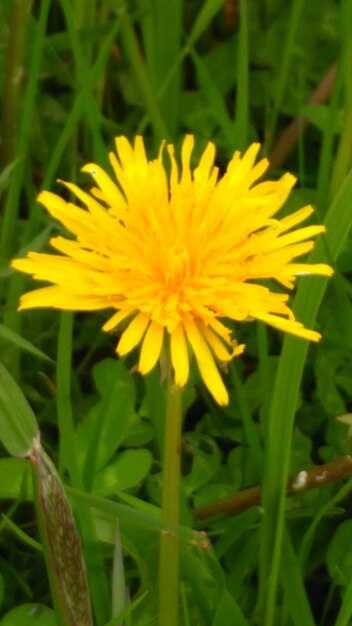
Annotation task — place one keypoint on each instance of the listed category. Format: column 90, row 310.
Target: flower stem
column 170, row 507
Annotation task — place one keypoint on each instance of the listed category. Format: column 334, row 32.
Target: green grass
column 233, row 73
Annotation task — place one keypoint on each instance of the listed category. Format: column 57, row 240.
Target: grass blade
column 309, row 295
column 242, row 102
column 168, row 23
column 295, row 593
column 18, row 425
column 23, row 344
column 288, row 50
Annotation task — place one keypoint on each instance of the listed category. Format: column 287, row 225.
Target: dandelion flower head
column 176, row 251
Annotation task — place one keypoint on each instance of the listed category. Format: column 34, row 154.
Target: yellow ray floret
column 175, row 254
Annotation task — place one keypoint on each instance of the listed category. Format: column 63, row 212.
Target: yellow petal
column 187, row 148
column 299, row 235
column 258, row 170
column 216, row 344
column 151, row 348
column 308, row 269
column 206, row 363
column 174, row 168
column 290, row 326
column 54, row 268
column 77, row 220
column 58, row 298
column 298, row 216
column 116, row 319
column 179, row 355
column 238, row 348
column 107, row 186
column 206, row 162
column 98, row 211
column 131, row 337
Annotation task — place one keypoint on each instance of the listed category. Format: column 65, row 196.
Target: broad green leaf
column 29, row 615
column 109, row 421
column 18, row 425
column 128, row 470
column 15, row 479
column 130, row 517
column 212, row 493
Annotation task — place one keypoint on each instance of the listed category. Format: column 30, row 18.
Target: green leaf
column 228, row 612
column 5, row 175
column 206, row 13
column 295, row 593
column 20, row 342
column 279, row 437
column 117, row 620
column 118, row 584
column 211, row 93
column 29, row 615
column 18, row 425
column 20, row 534
column 128, row 470
column 206, row 460
column 338, row 559
column 15, row 479
column 109, row 421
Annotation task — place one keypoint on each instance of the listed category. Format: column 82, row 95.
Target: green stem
column 170, row 507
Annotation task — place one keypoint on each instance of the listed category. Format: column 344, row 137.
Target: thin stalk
column 135, row 58
column 241, row 111
column 68, row 458
column 250, row 429
column 287, row 56
column 170, row 508
column 264, row 374
column 343, row 156
column 168, row 31
column 13, row 75
column 68, row 452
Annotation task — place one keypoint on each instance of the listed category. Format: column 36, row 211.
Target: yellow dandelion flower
column 176, row 254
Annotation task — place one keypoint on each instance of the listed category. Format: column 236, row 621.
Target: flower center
column 177, row 265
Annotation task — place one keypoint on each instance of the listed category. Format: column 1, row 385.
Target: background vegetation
column 73, row 75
